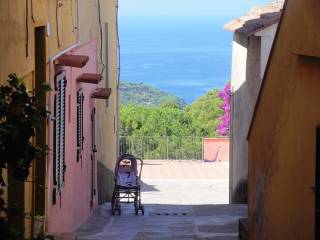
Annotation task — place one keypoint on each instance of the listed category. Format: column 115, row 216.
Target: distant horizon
column 187, row 7
column 186, row 57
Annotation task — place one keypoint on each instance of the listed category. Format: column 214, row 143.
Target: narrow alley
column 179, row 198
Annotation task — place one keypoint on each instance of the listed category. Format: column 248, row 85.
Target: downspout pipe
column 118, row 73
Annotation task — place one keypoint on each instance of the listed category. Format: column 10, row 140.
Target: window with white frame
column 59, row 131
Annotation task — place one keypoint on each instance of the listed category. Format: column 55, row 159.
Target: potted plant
column 21, row 115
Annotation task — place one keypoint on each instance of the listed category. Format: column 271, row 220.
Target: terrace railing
column 163, row 147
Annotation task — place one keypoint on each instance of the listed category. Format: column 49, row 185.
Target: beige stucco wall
column 249, row 58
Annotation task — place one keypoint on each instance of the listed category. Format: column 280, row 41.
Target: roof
column 257, row 19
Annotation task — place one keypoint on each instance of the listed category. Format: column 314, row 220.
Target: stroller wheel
column 142, row 210
column 136, row 207
column 119, row 210
column 113, row 211
column 113, row 206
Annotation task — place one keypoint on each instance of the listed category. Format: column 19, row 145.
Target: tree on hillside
column 142, row 94
column 205, row 113
column 149, row 131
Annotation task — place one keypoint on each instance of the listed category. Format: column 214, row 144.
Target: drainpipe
column 118, row 73
column 51, row 83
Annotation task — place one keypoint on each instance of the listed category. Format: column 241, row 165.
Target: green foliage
column 141, row 94
column 165, row 120
column 201, row 118
column 145, row 126
column 205, row 113
column 20, row 117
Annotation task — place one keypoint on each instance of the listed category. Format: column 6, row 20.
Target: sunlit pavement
column 179, row 199
column 192, row 192
column 185, row 182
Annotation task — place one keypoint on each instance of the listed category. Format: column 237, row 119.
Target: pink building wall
column 216, row 149
column 73, row 205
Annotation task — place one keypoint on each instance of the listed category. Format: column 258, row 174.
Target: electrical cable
column 27, row 29
column 32, row 12
column 57, row 22
column 72, row 19
column 118, row 42
column 101, row 39
column 118, row 73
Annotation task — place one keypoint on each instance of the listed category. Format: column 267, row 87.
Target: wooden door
column 317, row 188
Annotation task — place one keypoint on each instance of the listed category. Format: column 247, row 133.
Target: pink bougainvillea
column 224, row 126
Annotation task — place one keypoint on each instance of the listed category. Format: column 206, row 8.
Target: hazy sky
column 187, row 7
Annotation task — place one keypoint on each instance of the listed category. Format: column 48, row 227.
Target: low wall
column 216, row 149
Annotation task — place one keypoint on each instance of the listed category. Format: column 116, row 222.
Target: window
column 80, row 138
column 59, row 131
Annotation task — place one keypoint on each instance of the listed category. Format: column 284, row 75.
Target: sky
column 187, row 7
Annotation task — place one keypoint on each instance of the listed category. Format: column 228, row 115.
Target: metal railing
column 163, row 147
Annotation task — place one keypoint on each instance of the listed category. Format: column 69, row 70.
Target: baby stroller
column 127, row 184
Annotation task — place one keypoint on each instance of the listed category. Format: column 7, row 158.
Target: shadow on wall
column 243, row 101
column 240, row 194
column 105, row 183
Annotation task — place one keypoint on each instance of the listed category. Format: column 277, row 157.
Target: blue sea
column 185, row 56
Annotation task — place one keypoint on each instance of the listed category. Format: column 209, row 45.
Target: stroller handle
column 141, row 165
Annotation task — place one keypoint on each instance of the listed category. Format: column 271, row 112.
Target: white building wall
column 249, row 58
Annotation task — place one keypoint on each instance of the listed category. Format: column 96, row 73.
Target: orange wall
column 282, row 136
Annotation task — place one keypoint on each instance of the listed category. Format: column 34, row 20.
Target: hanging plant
column 20, row 117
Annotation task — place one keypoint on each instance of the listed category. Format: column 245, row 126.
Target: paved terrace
column 179, row 199
column 185, row 182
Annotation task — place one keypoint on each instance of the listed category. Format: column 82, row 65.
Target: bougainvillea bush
column 224, row 126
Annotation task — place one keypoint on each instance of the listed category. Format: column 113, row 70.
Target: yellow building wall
column 18, row 20
column 17, row 55
column 109, row 112
column 15, row 36
column 282, row 140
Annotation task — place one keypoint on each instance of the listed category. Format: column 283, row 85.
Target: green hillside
column 142, row 94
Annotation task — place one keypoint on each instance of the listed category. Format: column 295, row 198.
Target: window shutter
column 80, row 138
column 59, row 131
